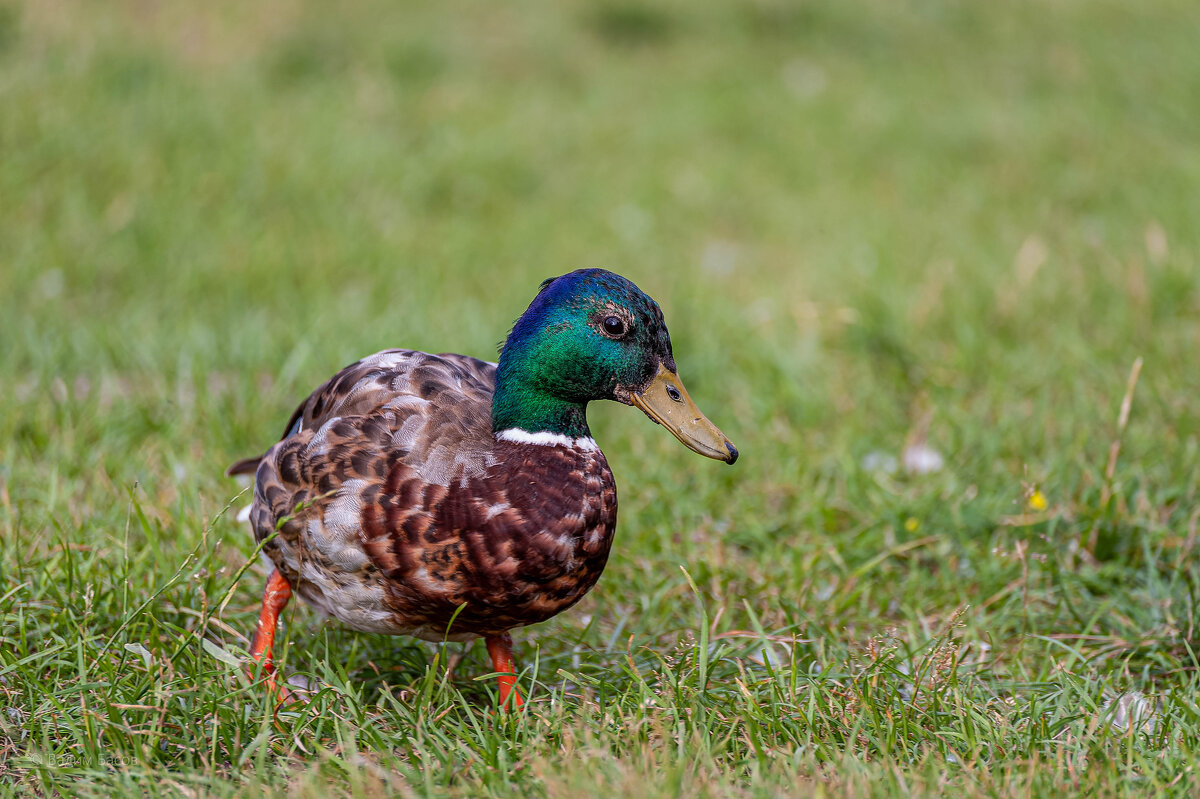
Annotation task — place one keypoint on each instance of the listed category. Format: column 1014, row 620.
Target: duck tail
column 244, row 466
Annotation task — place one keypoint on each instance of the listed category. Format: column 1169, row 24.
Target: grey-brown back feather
column 456, row 425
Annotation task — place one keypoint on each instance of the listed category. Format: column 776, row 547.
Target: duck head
column 593, row 335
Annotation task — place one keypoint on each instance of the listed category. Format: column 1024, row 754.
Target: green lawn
column 872, row 225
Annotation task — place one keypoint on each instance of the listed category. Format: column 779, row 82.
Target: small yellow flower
column 1037, row 500
column 912, row 523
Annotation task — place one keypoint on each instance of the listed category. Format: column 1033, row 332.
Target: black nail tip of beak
column 733, row 453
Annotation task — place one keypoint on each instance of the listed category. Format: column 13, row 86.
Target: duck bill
column 666, row 402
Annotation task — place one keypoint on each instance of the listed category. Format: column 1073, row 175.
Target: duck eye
column 614, row 326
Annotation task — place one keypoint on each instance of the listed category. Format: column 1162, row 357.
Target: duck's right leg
column 275, row 599
column 500, row 648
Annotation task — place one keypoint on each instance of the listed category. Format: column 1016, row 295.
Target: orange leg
column 500, row 648
column 275, row 599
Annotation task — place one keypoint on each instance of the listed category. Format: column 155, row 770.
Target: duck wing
column 390, row 376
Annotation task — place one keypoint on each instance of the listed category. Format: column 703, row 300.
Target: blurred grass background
column 870, row 224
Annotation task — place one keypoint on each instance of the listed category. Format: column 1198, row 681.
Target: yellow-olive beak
column 666, row 401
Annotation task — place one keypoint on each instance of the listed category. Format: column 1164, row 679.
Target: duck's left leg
column 500, row 648
column 275, row 599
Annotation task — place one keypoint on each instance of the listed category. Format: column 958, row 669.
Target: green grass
column 869, row 223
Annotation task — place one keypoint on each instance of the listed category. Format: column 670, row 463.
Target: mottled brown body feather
column 390, row 504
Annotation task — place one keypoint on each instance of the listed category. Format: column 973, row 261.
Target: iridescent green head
column 592, row 335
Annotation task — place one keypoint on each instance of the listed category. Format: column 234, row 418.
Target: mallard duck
column 448, row 498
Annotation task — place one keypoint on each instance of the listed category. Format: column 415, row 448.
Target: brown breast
column 514, row 546
column 373, row 543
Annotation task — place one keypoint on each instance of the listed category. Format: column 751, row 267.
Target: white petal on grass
column 302, row 684
column 906, row 689
column 142, row 652
column 922, row 459
column 18, row 717
column 878, row 461
column 220, row 653
column 1131, row 709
